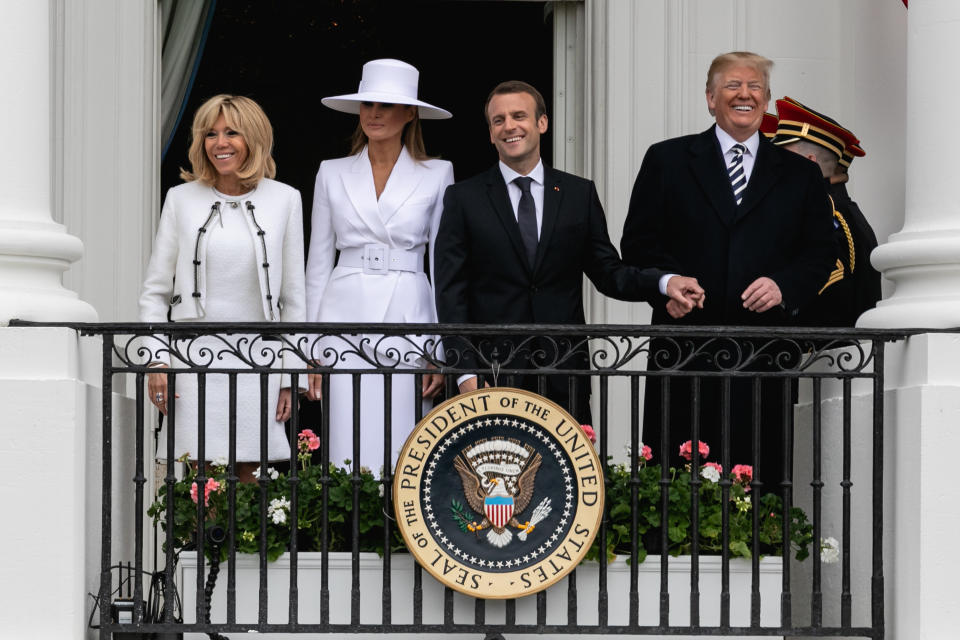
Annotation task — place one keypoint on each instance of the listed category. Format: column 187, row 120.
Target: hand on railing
column 157, row 388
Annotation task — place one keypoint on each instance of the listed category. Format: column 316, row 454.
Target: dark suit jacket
column 683, row 218
column 483, row 275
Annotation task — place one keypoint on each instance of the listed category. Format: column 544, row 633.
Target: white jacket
column 276, row 211
column 347, row 215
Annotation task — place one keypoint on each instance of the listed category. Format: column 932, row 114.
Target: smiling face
column 515, row 130
column 382, row 122
column 226, row 150
column 738, row 98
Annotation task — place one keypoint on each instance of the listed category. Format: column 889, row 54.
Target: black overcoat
column 683, row 218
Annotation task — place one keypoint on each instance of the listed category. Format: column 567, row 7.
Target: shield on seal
column 499, row 510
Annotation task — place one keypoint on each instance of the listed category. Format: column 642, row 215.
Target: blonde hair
column 739, row 59
column 412, row 138
column 244, row 116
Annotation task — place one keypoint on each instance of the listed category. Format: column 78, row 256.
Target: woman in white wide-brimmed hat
column 380, row 208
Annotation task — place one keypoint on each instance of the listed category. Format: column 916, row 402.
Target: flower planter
column 371, row 574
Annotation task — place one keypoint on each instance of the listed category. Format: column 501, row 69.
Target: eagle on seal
column 498, row 478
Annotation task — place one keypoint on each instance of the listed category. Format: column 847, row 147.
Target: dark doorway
column 288, row 55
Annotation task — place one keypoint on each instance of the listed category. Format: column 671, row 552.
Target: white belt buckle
column 375, row 258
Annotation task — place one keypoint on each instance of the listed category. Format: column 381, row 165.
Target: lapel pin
column 556, row 188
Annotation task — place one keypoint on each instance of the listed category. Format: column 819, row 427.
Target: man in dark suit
column 514, row 243
column 853, row 287
column 751, row 222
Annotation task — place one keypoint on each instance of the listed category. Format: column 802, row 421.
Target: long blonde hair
column 244, row 116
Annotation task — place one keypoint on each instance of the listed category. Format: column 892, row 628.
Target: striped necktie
column 738, row 179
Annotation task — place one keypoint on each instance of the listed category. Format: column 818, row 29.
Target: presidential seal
column 498, row 493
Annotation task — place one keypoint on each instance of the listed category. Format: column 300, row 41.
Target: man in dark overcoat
column 752, row 224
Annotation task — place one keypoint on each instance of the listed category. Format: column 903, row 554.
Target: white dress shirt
column 749, row 156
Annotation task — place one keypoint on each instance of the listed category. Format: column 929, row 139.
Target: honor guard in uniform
column 854, row 285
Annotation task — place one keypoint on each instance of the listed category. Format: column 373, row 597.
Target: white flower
column 220, row 461
column 710, row 473
column 743, row 504
column 628, row 450
column 829, row 550
column 272, row 473
column 278, row 510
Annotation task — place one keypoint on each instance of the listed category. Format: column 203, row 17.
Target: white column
column 923, row 259
column 923, row 397
column 34, row 250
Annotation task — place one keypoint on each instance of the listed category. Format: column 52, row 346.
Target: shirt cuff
column 464, row 378
column 663, row 282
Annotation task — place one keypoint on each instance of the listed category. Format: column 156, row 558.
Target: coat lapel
column 710, row 172
column 403, row 181
column 552, row 196
column 766, row 172
column 500, row 201
column 358, row 183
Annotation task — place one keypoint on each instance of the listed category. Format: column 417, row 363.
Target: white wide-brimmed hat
column 388, row 81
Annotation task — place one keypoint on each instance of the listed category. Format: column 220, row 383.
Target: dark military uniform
column 854, row 285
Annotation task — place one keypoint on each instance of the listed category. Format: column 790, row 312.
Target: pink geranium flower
column 212, row 485
column 587, row 429
column 742, row 473
column 686, row 449
column 646, row 453
column 308, row 441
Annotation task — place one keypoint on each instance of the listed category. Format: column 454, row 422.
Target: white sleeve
column 158, row 282
column 322, row 248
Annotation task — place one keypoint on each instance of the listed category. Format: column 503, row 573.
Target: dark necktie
column 738, row 179
column 527, row 218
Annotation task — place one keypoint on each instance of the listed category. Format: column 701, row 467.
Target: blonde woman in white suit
column 229, row 248
column 380, row 208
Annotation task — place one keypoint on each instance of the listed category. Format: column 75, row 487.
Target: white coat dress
column 347, row 216
column 242, row 276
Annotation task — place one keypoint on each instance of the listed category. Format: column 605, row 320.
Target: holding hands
column 685, row 294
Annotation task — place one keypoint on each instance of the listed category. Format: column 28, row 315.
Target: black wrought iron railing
column 737, row 386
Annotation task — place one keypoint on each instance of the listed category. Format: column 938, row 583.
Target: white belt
column 379, row 259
